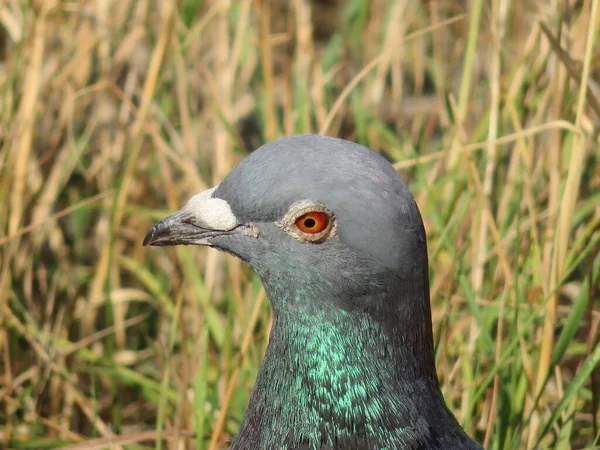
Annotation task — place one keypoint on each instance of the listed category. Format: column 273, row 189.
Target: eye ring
column 309, row 222
column 312, row 222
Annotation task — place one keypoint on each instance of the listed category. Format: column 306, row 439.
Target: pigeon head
column 311, row 213
column 339, row 244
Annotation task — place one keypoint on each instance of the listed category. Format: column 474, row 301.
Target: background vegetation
column 114, row 113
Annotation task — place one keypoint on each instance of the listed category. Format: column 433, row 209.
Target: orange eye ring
column 313, row 222
column 308, row 222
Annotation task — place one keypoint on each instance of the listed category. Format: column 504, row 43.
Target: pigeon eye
column 312, row 222
column 308, row 221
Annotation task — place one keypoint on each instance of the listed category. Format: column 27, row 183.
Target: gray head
column 339, row 244
column 372, row 235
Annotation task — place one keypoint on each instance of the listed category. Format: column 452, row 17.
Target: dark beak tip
column 147, row 240
column 150, row 237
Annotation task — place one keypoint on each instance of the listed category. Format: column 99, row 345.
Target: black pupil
column 309, row 223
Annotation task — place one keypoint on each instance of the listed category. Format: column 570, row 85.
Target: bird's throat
column 336, row 378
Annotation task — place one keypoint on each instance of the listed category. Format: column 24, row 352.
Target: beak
column 201, row 219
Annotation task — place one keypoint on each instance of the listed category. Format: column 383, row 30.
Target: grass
column 114, row 113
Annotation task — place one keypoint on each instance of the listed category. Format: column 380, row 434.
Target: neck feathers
column 340, row 379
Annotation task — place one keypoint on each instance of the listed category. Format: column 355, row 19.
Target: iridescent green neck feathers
column 335, row 379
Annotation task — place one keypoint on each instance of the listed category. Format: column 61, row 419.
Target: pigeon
column 338, row 242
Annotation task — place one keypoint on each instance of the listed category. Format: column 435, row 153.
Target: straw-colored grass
column 114, row 113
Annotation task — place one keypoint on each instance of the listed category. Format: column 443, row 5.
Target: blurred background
column 114, row 113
